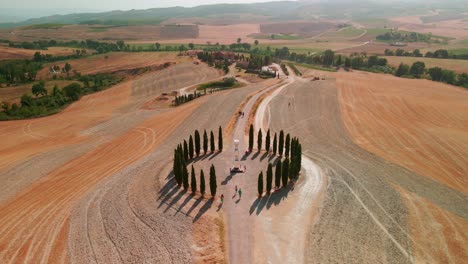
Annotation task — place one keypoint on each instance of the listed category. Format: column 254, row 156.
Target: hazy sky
column 111, row 4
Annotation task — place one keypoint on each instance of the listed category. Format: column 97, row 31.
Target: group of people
column 236, row 192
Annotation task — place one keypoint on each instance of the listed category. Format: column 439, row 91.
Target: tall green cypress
column 185, row 176
column 259, row 140
column 269, row 178
column 176, row 168
column 202, row 182
column 275, row 145
column 190, row 147
column 213, row 185
column 278, row 174
column 260, row 184
column 251, row 138
column 267, row 141
column 287, row 146
column 212, row 142
column 281, row 143
column 186, row 152
column 205, row 142
column 285, row 171
column 193, row 181
column 197, row 143
column 220, row 139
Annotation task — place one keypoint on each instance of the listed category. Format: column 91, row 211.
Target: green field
column 45, row 26
column 348, row 32
column 311, row 66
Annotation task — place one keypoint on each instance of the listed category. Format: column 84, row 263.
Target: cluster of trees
column 38, row 57
column 43, row 103
column 257, row 61
column 100, row 47
column 280, row 145
column 181, row 175
column 418, row 70
column 215, row 60
column 406, row 37
column 438, row 54
column 187, row 151
column 18, row 71
column 182, row 99
column 286, row 170
column 295, row 69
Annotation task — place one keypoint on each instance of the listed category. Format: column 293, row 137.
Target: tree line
column 418, row 70
column 185, row 152
column 99, row 47
column 182, row 99
column 18, row 71
column 437, row 54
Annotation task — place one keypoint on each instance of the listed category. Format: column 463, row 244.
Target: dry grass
column 459, row 66
column 7, row 53
column 418, row 124
column 13, row 94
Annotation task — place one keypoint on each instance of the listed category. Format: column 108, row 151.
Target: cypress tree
column 260, row 184
column 287, row 146
column 190, row 147
column 213, row 184
column 205, row 142
column 186, row 152
column 285, row 172
column 259, row 140
column 267, row 141
column 202, row 182
column 220, row 139
column 176, row 168
column 197, row 143
column 185, row 176
column 193, row 181
column 278, row 174
column 212, row 142
column 275, row 144
column 269, row 178
column 281, row 143
column 251, row 138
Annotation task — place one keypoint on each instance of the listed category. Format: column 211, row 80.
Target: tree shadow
column 255, row 155
column 254, row 205
column 220, row 205
column 174, row 200
column 228, row 178
column 272, row 156
column 280, row 195
column 264, row 156
column 238, row 200
column 194, row 205
column 167, row 191
column 203, row 209
column 170, row 175
column 245, row 156
column 186, row 200
column 214, row 155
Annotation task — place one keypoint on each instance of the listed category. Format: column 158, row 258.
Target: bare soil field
column 459, row 66
column 115, row 61
column 82, row 32
column 449, row 28
column 227, row 34
column 75, row 204
column 7, row 53
column 409, row 122
column 305, row 29
column 363, row 218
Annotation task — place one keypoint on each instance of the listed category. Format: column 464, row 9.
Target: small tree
column 202, row 182
column 281, row 143
column 285, row 172
column 267, row 141
column 205, row 142
column 251, row 137
column 213, row 184
column 275, row 144
column 212, row 142
column 177, row 167
column 193, row 181
column 259, row 140
column 256, row 42
column 191, row 150
column 287, row 145
column 197, row 143
column 186, row 152
column 191, row 46
column 260, row 184
column 269, row 178
column 39, row 89
column 158, row 46
column 220, row 139
column 278, row 174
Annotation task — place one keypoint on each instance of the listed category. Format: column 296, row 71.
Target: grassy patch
column 227, row 83
column 347, row 32
column 314, row 67
column 276, row 36
column 458, row 51
column 46, row 26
